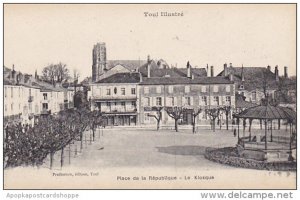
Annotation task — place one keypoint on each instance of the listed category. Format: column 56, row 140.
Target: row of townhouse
column 129, row 98
column 27, row 97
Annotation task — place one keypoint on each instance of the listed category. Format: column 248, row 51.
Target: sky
column 213, row 34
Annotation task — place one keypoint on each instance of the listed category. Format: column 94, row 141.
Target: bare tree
column 175, row 113
column 196, row 112
column 213, row 114
column 56, row 73
column 226, row 110
column 157, row 115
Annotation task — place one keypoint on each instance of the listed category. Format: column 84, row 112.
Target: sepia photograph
column 149, row 96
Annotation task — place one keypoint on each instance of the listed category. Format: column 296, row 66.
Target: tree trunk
column 214, row 124
column 69, row 153
column 81, row 141
column 176, row 125
column 194, row 124
column 157, row 125
column 93, row 133
column 278, row 124
column 62, row 157
column 227, row 120
column 51, row 159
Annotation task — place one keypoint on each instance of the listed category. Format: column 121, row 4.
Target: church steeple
column 99, row 61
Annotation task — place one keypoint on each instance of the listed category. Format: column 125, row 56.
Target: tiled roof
column 153, row 67
column 7, row 81
column 254, row 77
column 197, row 72
column 132, row 65
column 122, row 78
column 171, row 72
column 241, row 103
column 183, row 80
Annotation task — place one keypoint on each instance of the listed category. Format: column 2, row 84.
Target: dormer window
column 241, row 87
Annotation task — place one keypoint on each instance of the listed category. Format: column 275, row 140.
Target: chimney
column 35, row 75
column 141, row 77
column 242, row 75
column 230, row 65
column 207, row 73
column 225, row 70
column 285, row 72
column 188, row 70
column 212, row 71
column 148, row 66
column 13, row 73
column 230, row 77
column 276, row 73
column 18, row 78
column 269, row 67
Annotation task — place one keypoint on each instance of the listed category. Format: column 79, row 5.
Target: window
column 147, row 101
column 133, row 103
column 115, row 90
column 204, row 100
column 132, row 90
column 188, row 101
column 108, row 104
column 12, row 93
column 228, row 100
column 158, row 101
column 12, row 107
column 45, row 96
column 172, row 102
column 171, row 89
column 203, row 88
column 216, row 88
column 123, row 91
column 123, row 105
column 227, row 88
column 187, row 89
column 45, row 106
column 146, row 90
column 158, row 89
column 107, row 91
column 216, row 100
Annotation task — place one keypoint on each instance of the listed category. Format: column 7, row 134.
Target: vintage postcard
column 149, row 96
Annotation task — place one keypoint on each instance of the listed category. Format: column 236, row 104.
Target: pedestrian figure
column 234, row 132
